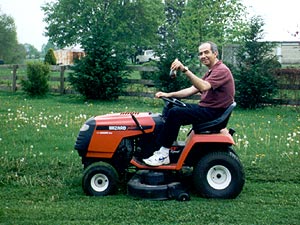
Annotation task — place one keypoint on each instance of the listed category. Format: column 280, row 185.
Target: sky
column 281, row 18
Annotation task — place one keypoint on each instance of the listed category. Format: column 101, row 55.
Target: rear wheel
column 99, row 179
column 219, row 175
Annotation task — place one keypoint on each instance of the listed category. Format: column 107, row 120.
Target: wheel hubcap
column 99, row 182
column 219, row 177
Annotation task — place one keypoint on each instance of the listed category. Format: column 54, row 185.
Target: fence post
column 14, row 81
column 62, row 79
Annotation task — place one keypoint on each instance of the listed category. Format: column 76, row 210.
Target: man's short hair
column 213, row 46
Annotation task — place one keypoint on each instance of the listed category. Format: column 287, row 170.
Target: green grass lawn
column 40, row 178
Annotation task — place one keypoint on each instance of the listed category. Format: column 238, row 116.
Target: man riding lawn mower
column 112, row 145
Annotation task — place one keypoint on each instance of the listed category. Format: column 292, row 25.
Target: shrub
column 99, row 74
column 50, row 57
column 167, row 84
column 255, row 83
column 149, row 74
column 37, row 82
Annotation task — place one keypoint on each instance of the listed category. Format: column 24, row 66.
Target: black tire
column 182, row 197
column 219, row 175
column 100, row 179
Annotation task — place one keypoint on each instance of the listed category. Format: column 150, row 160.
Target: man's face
column 206, row 56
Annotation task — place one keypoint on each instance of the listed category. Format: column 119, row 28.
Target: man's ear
column 216, row 54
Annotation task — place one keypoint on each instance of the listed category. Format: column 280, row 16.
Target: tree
column 255, row 83
column 203, row 20
column 46, row 47
column 106, row 33
column 50, row 57
column 10, row 50
column 99, row 74
column 188, row 23
column 170, row 48
column 31, row 52
column 128, row 23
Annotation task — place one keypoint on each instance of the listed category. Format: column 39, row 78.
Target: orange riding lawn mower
column 112, row 147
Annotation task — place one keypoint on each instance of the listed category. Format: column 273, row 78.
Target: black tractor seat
column 214, row 126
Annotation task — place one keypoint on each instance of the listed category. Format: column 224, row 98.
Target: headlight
column 84, row 127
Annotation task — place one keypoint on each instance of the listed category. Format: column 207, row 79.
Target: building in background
column 288, row 53
column 67, row 56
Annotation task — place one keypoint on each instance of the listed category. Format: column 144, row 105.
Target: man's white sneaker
column 157, row 159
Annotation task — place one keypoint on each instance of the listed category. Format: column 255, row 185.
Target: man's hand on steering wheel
column 166, row 97
column 174, row 101
column 162, row 94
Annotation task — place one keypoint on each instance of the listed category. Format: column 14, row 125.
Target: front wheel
column 219, row 175
column 99, row 179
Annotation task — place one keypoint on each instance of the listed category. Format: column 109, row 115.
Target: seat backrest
column 216, row 125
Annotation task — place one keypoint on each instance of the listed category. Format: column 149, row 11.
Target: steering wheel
column 174, row 101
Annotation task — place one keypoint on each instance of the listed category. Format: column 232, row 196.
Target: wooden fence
column 288, row 80
column 10, row 82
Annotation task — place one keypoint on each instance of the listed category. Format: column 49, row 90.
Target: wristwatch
column 185, row 69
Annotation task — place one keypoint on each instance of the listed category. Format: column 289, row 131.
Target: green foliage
column 73, row 22
column 31, row 52
column 187, row 24
column 204, row 21
column 176, row 22
column 10, row 50
column 36, row 84
column 149, row 75
column 50, row 57
column 46, row 47
column 165, row 82
column 255, row 83
column 170, row 48
column 106, row 34
column 99, row 74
